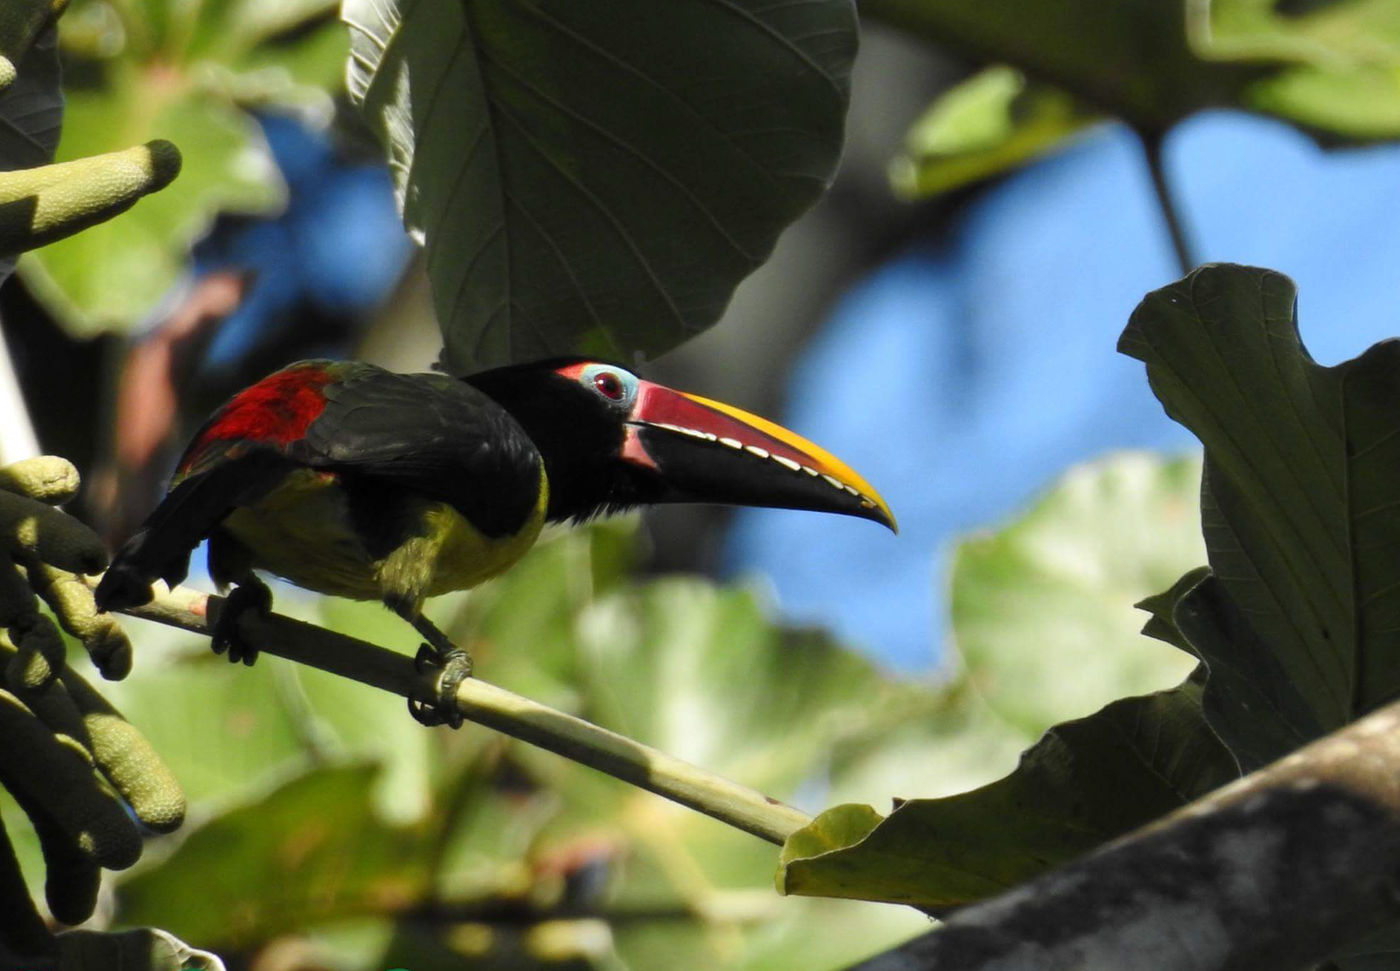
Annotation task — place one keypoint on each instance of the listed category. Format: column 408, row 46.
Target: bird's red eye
column 609, row 385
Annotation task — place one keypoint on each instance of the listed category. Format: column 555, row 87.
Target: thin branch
column 494, row 707
column 1281, row 869
column 1166, row 201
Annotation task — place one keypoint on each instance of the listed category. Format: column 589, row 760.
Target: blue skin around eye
column 974, row 369
column 627, row 379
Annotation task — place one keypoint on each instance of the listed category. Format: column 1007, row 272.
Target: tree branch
column 493, row 707
column 1278, row 870
column 1167, row 202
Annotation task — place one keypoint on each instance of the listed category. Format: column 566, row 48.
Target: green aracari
column 345, row 478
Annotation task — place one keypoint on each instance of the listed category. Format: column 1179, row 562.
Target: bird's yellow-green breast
column 302, row 531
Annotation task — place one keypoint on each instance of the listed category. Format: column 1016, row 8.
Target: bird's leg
column 442, row 664
column 250, row 594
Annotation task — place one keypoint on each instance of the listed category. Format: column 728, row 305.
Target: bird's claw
column 226, row 637
column 442, row 674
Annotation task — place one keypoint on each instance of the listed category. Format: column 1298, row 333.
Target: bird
column 351, row 480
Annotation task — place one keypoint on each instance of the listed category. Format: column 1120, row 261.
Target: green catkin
column 47, row 478
column 32, row 530
column 57, row 773
column 47, row 203
column 22, row 930
column 71, row 601
column 128, row 759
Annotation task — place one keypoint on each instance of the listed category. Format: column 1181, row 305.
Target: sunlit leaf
column 994, row 121
column 1337, row 63
column 1042, row 610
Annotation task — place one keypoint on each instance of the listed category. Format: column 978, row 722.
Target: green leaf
column 1249, row 701
column 184, row 73
column 1042, row 610
column 1333, row 68
column 505, row 829
column 702, row 673
column 1338, row 62
column 31, row 107
column 1084, row 783
column 313, row 849
column 1131, row 59
column 1162, row 623
column 225, row 733
column 1296, row 504
column 112, row 275
column 994, row 121
column 598, row 177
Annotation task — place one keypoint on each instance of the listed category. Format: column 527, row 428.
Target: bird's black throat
column 578, row 436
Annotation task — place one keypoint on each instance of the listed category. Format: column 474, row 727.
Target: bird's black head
column 611, row 440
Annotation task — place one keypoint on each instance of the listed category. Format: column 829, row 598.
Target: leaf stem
column 494, row 707
column 1166, row 202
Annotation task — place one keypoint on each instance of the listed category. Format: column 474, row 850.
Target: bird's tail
column 161, row 549
column 127, row 582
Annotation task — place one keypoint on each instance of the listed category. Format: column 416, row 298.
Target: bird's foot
column 435, row 702
column 251, row 594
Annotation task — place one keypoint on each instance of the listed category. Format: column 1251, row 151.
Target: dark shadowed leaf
column 1301, row 625
column 31, row 112
column 143, row 949
column 598, row 176
column 1249, row 700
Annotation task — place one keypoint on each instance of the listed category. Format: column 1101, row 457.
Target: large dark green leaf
column 598, row 176
column 1297, row 506
column 1250, row 701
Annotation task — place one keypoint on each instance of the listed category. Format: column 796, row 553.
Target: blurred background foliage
column 944, row 319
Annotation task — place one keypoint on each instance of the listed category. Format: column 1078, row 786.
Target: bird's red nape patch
column 277, row 410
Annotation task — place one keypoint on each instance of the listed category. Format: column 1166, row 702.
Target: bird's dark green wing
column 431, row 435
